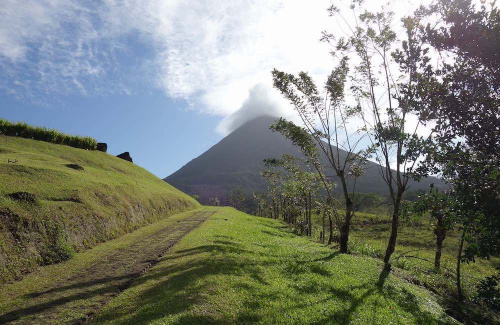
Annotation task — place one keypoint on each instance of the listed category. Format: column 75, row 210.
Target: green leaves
column 299, row 137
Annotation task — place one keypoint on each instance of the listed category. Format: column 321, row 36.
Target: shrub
column 24, row 130
column 488, row 292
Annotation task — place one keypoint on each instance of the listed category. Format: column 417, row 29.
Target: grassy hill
column 55, row 200
column 240, row 269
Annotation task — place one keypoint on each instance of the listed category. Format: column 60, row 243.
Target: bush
column 488, row 293
column 24, row 130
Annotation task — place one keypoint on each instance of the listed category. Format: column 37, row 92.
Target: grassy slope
column 15, row 295
column 415, row 252
column 417, row 241
column 74, row 209
column 238, row 268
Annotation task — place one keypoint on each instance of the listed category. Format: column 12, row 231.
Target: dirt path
column 77, row 299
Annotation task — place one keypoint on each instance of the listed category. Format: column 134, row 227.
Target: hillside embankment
column 56, row 200
column 74, row 291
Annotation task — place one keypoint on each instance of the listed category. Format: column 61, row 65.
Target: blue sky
column 164, row 80
column 161, row 134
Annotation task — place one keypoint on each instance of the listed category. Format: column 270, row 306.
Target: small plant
column 488, row 293
column 364, row 249
column 58, row 248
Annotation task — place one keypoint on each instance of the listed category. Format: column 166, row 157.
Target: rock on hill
column 238, row 159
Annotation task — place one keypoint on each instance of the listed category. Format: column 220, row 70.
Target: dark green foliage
column 465, row 101
column 461, row 96
column 298, row 136
column 24, row 130
column 488, row 293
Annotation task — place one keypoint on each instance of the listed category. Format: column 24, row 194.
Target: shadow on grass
column 182, row 283
column 63, row 295
column 181, row 287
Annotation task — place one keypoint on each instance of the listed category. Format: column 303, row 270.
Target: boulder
column 125, row 156
column 101, row 146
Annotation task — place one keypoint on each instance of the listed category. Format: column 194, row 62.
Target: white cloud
column 54, row 47
column 261, row 100
column 211, row 53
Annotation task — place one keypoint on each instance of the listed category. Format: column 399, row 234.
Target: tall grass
column 24, row 130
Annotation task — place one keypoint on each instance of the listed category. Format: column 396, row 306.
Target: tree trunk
column 323, row 227
column 459, row 262
column 440, row 236
column 344, row 230
column 309, row 211
column 344, row 236
column 391, row 246
column 330, row 239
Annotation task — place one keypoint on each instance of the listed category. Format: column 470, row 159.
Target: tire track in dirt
column 78, row 298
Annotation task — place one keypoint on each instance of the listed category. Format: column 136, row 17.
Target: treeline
column 388, row 101
column 295, row 195
column 24, row 130
column 292, row 194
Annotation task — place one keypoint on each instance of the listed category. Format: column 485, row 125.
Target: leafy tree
column 325, row 118
column 237, row 198
column 387, row 98
column 438, row 205
column 299, row 187
column 274, row 179
column 260, row 203
column 214, row 201
column 462, row 97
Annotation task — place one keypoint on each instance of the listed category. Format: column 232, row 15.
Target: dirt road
column 87, row 291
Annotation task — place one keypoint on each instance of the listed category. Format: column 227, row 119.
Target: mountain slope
column 238, row 159
column 56, row 199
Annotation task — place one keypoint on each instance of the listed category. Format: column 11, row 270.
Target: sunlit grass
column 72, row 209
column 238, row 269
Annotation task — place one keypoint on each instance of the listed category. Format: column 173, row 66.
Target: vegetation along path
column 76, row 295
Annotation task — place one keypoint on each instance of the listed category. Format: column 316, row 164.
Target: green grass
column 415, row 252
column 70, row 210
column 238, row 268
column 416, row 249
column 24, row 130
column 16, row 294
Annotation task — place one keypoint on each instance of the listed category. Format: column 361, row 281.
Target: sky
column 162, row 79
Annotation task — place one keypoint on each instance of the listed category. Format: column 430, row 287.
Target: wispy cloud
column 55, row 47
column 207, row 52
column 212, row 52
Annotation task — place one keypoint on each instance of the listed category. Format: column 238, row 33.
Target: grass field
column 415, row 253
column 238, row 269
column 56, row 200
